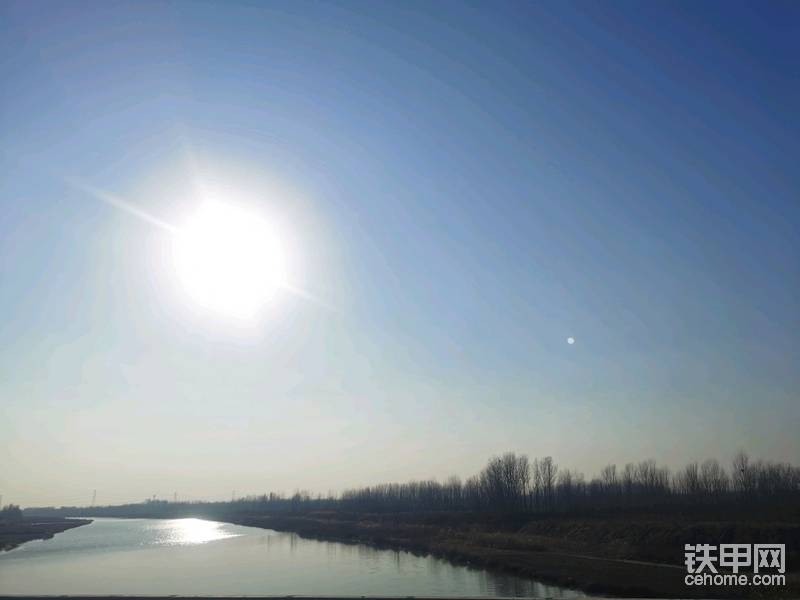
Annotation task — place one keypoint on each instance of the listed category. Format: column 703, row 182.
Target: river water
column 195, row 556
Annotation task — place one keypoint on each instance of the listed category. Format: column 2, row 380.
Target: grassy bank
column 632, row 556
column 14, row 533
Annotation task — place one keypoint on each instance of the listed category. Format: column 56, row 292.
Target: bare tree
column 609, row 479
column 687, row 480
column 743, row 475
column 713, row 479
column 548, row 471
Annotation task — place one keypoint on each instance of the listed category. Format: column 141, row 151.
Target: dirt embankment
column 14, row 533
column 624, row 557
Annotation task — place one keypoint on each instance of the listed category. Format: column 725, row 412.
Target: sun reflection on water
column 184, row 532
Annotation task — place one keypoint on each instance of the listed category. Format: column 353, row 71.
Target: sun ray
column 305, row 295
column 120, row 203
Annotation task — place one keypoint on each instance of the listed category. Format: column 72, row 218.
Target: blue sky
column 465, row 186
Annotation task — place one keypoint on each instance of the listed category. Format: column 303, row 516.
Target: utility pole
column 94, row 497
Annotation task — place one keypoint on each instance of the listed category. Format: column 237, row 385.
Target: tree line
column 511, row 483
column 10, row 513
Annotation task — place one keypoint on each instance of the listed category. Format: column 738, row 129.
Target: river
column 195, row 556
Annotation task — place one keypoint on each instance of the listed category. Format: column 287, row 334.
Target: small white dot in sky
column 570, row 340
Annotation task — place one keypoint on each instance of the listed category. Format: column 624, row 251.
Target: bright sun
column 229, row 260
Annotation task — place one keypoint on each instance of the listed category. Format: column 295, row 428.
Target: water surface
column 195, row 556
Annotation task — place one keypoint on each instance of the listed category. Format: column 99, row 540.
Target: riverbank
column 624, row 557
column 14, row 533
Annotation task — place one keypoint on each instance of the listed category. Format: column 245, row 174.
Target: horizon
column 297, row 245
column 673, row 476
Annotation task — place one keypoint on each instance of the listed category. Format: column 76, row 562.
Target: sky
column 460, row 187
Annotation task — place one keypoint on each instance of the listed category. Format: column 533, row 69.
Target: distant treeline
column 10, row 513
column 511, row 483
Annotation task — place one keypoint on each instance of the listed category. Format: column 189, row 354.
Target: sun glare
column 185, row 532
column 229, row 260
